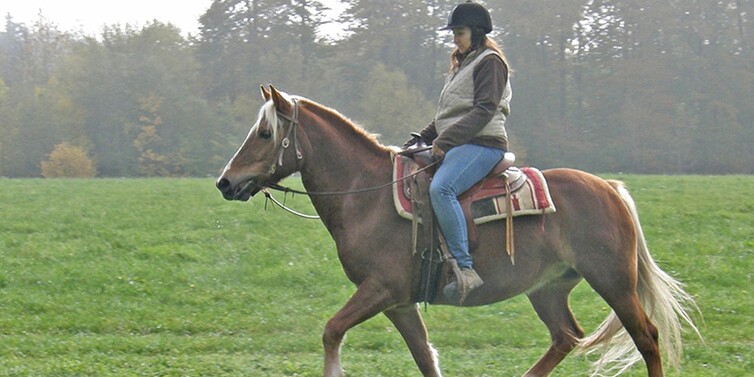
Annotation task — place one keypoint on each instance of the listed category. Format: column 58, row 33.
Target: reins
column 286, row 190
column 269, row 196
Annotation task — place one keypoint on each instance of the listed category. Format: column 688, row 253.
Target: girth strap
column 426, row 239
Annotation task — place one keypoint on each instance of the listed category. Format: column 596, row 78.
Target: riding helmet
column 470, row 14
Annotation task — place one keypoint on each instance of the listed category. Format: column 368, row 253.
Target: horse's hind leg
column 407, row 319
column 551, row 304
column 644, row 334
column 617, row 286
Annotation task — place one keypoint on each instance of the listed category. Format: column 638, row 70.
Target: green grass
column 162, row 277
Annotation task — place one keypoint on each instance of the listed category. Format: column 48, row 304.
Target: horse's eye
column 265, row 134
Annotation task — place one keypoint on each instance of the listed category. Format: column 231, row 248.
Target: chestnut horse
column 594, row 235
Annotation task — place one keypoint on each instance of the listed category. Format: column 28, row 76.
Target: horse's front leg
column 369, row 300
column 407, row 319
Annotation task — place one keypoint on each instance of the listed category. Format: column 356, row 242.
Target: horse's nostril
column 222, row 184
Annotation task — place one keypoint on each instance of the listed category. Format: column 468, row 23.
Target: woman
column 468, row 131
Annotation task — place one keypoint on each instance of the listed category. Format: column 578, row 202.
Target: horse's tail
column 664, row 299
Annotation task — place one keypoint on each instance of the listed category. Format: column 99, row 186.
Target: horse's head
column 269, row 153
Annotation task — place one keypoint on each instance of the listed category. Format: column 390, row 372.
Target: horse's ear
column 265, row 93
column 280, row 102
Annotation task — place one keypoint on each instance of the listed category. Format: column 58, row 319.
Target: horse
column 594, row 235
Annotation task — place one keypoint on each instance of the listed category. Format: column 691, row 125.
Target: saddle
column 502, row 180
column 505, row 192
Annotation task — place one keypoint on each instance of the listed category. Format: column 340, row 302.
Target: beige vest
column 457, row 99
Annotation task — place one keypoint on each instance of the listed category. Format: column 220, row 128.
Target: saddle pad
column 490, row 203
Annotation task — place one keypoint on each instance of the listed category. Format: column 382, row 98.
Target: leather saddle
column 503, row 179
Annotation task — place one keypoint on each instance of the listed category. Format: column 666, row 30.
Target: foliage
column 68, row 161
column 634, row 86
column 392, row 105
column 164, row 277
column 148, row 142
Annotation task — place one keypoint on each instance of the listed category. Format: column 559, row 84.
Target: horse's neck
column 338, row 167
column 342, row 160
column 342, row 155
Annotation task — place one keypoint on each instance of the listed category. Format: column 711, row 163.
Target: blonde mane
column 269, row 113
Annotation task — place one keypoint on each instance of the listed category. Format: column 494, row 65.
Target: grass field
column 162, row 277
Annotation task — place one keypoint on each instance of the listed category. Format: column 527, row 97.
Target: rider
column 468, row 130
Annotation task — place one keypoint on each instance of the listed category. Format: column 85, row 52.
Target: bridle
column 286, row 142
column 292, row 137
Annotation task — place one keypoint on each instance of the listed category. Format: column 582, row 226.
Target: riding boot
column 466, row 281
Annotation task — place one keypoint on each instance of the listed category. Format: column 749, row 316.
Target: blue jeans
column 462, row 167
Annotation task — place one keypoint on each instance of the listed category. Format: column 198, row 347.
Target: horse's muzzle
column 243, row 191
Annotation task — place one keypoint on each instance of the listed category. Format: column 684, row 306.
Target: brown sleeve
column 490, row 76
column 429, row 133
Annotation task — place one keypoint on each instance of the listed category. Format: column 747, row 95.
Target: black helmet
column 470, row 14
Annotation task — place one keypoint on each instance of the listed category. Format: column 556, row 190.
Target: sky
column 89, row 16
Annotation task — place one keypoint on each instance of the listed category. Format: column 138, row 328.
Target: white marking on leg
column 435, row 359
column 333, row 367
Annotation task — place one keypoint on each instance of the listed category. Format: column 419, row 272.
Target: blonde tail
column 664, row 299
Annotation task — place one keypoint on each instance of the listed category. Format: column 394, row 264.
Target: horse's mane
column 329, row 115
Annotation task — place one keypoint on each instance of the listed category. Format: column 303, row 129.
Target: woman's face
column 462, row 38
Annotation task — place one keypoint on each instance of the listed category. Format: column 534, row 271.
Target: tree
column 153, row 161
column 12, row 52
column 392, row 106
column 400, row 34
column 537, row 38
column 68, row 161
column 111, row 80
column 8, row 128
column 245, row 43
column 605, row 85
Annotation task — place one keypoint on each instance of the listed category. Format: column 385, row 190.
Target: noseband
column 286, row 142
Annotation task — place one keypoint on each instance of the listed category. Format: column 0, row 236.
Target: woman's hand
column 437, row 152
column 415, row 138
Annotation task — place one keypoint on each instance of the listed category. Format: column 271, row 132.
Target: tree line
column 602, row 85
